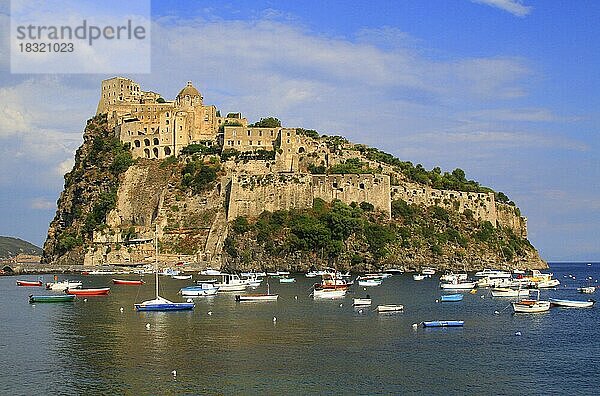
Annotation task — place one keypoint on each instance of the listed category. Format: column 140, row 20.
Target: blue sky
column 506, row 90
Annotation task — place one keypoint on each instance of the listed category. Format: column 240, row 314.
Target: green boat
column 51, row 298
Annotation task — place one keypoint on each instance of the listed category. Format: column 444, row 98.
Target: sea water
column 298, row 345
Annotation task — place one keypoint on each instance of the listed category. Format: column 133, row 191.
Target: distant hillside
column 10, row 247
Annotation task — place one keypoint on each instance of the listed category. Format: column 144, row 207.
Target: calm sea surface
column 320, row 347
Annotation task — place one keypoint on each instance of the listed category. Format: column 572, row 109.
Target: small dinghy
column 128, row 282
column 182, row 277
column 256, row 297
column 51, row 298
column 389, row 308
column 419, row 277
column 287, row 280
column 508, row 292
column 444, row 323
column 362, row 301
column 29, row 283
column 89, row 292
column 451, row 297
column 202, row 289
column 571, row 303
column 62, row 286
column 587, row 290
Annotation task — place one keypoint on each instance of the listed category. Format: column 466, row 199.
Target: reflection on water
column 314, row 346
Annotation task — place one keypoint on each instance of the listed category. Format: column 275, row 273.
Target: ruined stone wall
column 252, row 194
column 374, row 189
column 510, row 216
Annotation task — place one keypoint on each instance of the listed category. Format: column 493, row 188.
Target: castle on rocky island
column 154, row 129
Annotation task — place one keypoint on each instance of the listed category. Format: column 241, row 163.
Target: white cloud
column 514, row 7
column 42, row 204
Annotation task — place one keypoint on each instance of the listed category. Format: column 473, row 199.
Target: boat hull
column 571, row 303
column 51, row 299
column 29, row 283
column 182, row 277
column 444, row 323
column 451, row 298
column 357, row 302
column 390, row 308
column 257, row 297
column 458, row 286
column 165, row 307
column 531, row 306
column 128, row 282
column 509, row 293
column 329, row 293
column 199, row 291
column 89, row 292
column 62, row 286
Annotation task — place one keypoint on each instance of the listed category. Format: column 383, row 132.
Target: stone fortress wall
column 157, row 128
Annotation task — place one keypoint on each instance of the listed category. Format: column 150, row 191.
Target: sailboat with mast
column 161, row 303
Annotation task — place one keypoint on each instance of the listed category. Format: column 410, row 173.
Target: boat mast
column 156, row 257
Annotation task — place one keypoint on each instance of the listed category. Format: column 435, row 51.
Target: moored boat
column 489, row 273
column 389, row 308
column 428, row 271
column 256, row 297
column 329, row 293
column 287, row 280
column 202, row 289
column 531, row 306
column 458, row 285
column 102, row 291
column 128, row 282
column 29, row 283
column 555, row 302
column 587, row 289
column 419, row 277
column 444, row 323
column 182, row 277
column 507, row 292
column 63, row 285
column 51, row 298
column 361, row 301
column 370, row 282
column 451, row 297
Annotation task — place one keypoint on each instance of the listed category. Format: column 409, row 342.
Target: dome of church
column 188, row 90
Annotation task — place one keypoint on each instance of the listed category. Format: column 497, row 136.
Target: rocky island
column 226, row 193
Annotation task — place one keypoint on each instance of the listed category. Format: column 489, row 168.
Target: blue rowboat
column 444, row 323
column 162, row 304
column 51, row 298
column 451, row 297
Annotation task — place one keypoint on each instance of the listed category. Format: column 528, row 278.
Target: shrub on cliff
column 199, row 176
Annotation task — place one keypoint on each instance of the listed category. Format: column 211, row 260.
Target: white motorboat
column 314, row 274
column 451, row 277
column 428, row 271
column 507, row 292
column 369, row 282
column 587, row 289
column 489, row 273
column 361, row 301
column 419, row 277
column 458, row 285
column 394, row 271
column 210, row 271
column 555, row 302
column 389, row 308
column 64, row 285
column 231, row 282
column 329, row 293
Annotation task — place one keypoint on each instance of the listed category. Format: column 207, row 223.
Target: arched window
column 155, row 152
column 146, row 142
column 137, row 143
column 301, row 150
column 156, row 142
column 167, row 151
column 146, row 153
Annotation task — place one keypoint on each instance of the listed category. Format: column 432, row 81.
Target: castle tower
column 189, row 96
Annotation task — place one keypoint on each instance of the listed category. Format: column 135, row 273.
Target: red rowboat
column 29, row 283
column 128, row 282
column 89, row 292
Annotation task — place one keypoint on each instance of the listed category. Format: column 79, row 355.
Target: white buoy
column 364, row 288
column 209, row 313
column 496, row 313
column 121, row 309
column 415, row 325
column 147, row 326
column 437, row 301
column 360, row 311
column 518, row 333
column 85, row 300
column 174, row 372
column 189, row 300
column 341, row 305
column 482, row 296
column 295, row 297
column 274, row 319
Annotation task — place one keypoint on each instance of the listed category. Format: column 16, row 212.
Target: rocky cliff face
column 240, row 213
